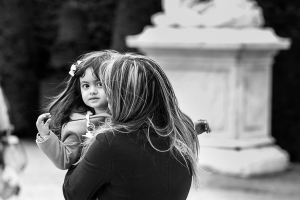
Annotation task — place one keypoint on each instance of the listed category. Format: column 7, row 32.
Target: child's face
column 92, row 92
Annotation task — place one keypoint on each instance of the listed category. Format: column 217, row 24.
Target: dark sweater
column 122, row 166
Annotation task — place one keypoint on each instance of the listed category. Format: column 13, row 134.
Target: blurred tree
column 72, row 35
column 100, row 16
column 284, row 17
column 17, row 62
column 131, row 18
column 45, row 31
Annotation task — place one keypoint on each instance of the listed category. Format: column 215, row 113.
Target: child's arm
column 64, row 153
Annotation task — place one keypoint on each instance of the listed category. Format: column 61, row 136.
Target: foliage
column 284, row 17
column 131, row 17
column 44, row 30
column 100, row 21
column 17, row 64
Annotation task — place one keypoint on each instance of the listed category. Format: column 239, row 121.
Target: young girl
column 75, row 112
column 148, row 150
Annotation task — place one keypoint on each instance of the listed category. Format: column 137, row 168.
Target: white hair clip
column 74, row 67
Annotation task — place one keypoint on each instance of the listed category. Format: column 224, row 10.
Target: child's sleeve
column 63, row 153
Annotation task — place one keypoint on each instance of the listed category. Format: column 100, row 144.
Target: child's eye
column 85, row 86
column 99, row 84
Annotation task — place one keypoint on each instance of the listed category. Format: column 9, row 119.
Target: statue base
column 244, row 162
column 225, row 77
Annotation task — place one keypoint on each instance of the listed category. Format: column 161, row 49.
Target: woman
column 148, row 150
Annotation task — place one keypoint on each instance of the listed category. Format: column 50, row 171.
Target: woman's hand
column 41, row 125
column 202, row 126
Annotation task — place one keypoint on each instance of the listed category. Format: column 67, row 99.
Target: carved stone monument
column 214, row 13
column 223, row 75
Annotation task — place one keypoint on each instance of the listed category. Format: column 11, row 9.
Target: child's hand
column 41, row 125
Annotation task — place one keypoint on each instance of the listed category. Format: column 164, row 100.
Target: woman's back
column 133, row 169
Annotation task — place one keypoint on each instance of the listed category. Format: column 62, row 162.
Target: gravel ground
column 42, row 181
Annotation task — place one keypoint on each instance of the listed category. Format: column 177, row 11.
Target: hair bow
column 74, row 67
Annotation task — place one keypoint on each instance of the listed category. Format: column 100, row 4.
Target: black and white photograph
column 149, row 99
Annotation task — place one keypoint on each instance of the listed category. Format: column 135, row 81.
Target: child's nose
column 93, row 90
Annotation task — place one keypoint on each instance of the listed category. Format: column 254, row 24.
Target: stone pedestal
column 223, row 76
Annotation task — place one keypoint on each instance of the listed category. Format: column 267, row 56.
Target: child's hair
column 140, row 95
column 70, row 100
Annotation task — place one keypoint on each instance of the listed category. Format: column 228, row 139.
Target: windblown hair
column 140, row 95
column 70, row 100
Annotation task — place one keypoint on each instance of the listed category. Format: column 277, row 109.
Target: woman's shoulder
column 106, row 134
column 122, row 136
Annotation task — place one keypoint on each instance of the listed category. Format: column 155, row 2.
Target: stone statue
column 210, row 13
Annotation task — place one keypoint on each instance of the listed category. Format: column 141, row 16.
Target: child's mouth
column 92, row 99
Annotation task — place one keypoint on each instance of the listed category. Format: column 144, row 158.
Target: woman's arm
column 94, row 170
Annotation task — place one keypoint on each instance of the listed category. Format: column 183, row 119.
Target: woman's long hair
column 70, row 100
column 140, row 95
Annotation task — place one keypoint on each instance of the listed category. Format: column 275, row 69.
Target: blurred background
column 39, row 39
